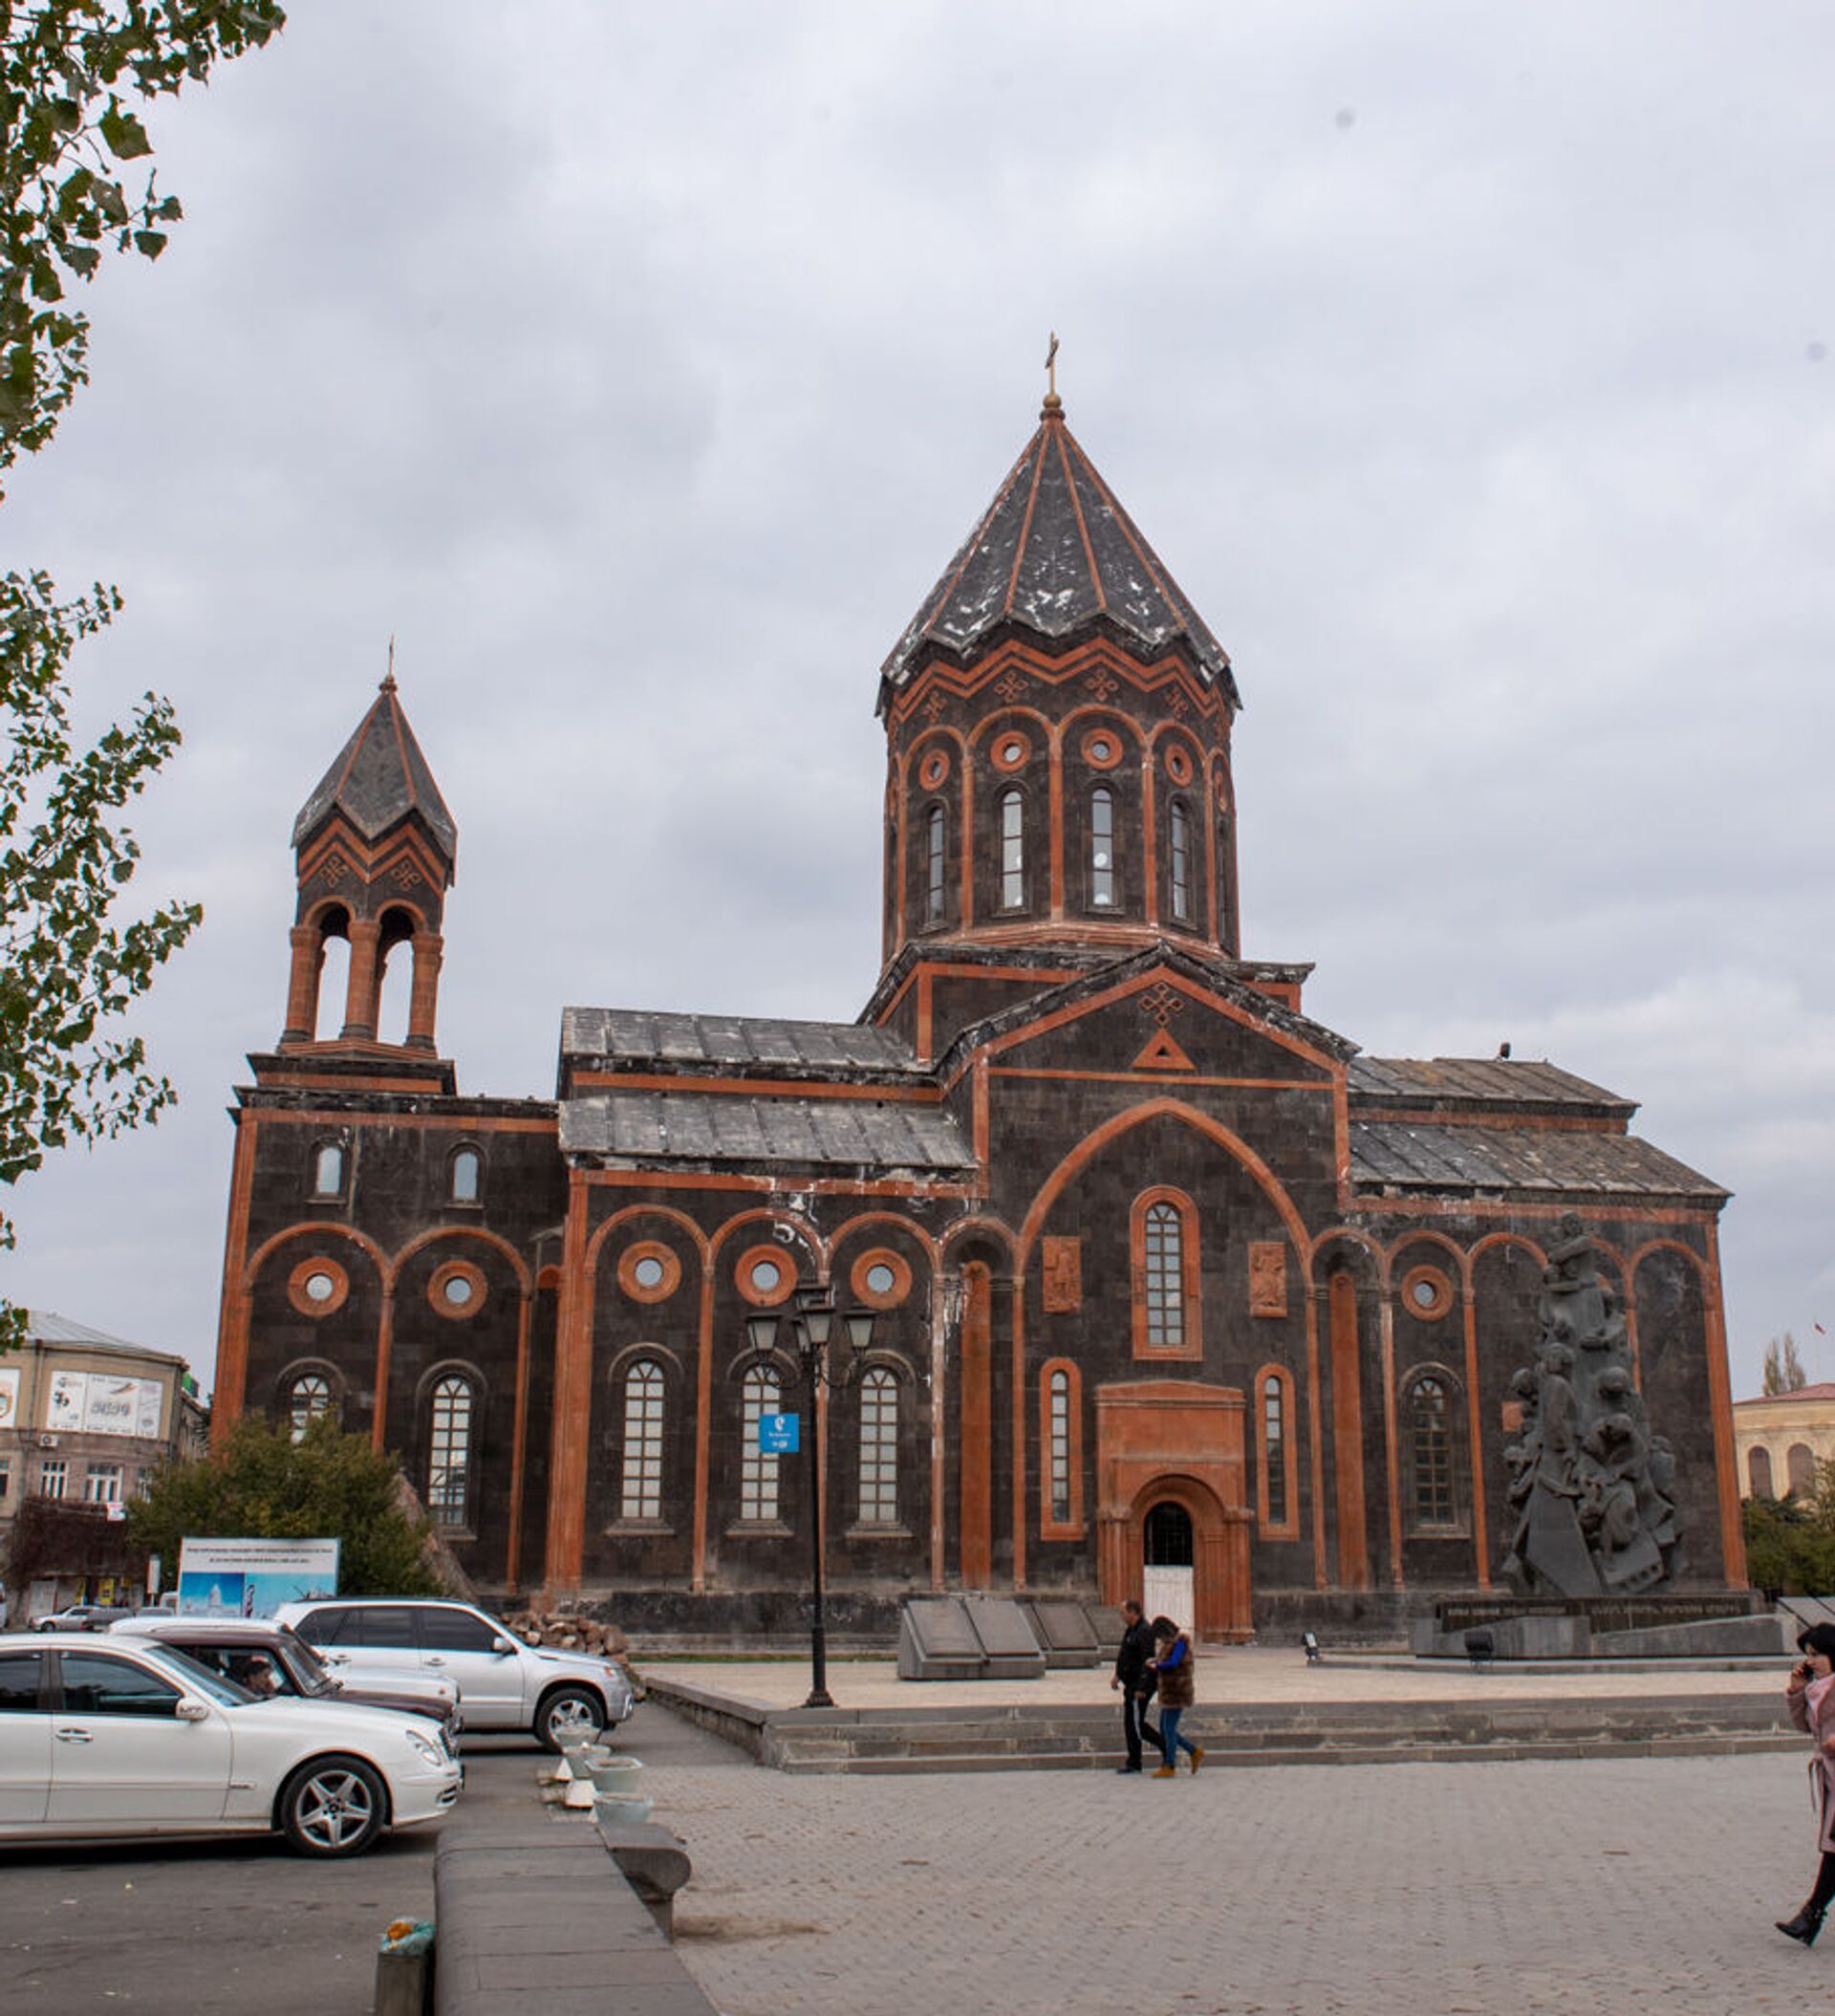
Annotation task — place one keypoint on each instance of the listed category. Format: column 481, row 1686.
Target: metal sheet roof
column 631, row 1036
column 1395, row 1154
column 1495, row 1080
column 671, row 1127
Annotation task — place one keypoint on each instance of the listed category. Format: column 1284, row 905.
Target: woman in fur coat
column 1171, row 1668
column 1809, row 1694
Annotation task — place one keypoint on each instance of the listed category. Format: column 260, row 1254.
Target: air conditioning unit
column 48, row 1441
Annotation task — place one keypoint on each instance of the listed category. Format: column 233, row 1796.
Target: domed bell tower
column 1058, row 722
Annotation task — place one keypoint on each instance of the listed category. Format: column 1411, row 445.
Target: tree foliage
column 72, row 73
column 1783, row 1369
column 263, row 1485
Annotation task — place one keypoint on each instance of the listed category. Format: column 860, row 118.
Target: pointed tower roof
column 379, row 778
column 1055, row 553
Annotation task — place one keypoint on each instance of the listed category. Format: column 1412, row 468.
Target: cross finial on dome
column 1053, row 407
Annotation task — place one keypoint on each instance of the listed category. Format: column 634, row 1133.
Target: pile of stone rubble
column 565, row 1631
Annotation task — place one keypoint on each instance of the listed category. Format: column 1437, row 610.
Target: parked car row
column 329, row 1724
column 127, row 1736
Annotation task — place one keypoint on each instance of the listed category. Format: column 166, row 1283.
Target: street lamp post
column 812, row 1319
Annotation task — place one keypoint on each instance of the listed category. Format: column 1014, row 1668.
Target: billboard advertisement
column 102, row 1403
column 251, row 1579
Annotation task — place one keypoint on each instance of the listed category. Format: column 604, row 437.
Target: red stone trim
column 301, row 1275
column 1001, row 754
column 933, row 770
column 637, row 1252
column 449, row 1270
column 1426, row 1277
column 1050, row 1529
column 765, row 1297
column 1178, row 763
column 1193, row 1347
column 1117, row 749
column 1288, row 1528
column 880, row 1298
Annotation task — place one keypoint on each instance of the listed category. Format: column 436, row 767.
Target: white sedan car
column 103, row 1736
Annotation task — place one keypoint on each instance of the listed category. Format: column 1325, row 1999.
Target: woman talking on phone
column 1809, row 1694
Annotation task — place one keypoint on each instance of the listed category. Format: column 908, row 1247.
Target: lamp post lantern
column 811, row 1323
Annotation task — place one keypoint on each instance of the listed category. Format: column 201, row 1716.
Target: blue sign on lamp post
column 778, row 1433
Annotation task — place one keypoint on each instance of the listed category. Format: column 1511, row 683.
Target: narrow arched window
column 307, row 1398
column 1180, row 825
column 1012, row 850
column 640, row 1478
column 1759, row 1472
column 328, row 1170
column 878, row 1448
column 1163, row 1260
column 759, row 1394
column 467, row 1174
column 1226, row 925
column 1274, row 1449
column 1102, row 848
column 1800, row 1466
column 449, row 1452
column 1430, row 1442
column 933, row 859
column 1059, row 1454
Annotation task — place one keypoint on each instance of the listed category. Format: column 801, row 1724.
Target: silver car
column 504, row 1683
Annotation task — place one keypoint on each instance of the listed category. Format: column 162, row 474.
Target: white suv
column 504, row 1683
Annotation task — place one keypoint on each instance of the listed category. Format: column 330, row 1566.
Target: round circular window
column 1178, row 763
column 1011, row 751
column 456, row 1289
column 764, row 1275
column 1426, row 1292
column 1102, row 748
column 881, row 1278
column 934, row 769
column 315, row 1288
column 649, row 1271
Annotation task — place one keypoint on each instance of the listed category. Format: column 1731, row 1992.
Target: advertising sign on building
column 9, row 1397
column 101, row 1403
column 251, row 1579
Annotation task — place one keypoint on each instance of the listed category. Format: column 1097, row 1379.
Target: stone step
column 1515, row 1749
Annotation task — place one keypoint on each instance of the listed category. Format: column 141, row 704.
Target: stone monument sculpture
column 1591, row 1488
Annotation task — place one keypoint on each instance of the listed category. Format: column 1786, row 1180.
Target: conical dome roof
column 1055, row 553
column 379, row 778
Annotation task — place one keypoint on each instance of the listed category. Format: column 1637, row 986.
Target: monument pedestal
column 1725, row 1623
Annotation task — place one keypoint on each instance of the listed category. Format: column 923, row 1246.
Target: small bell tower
column 374, row 848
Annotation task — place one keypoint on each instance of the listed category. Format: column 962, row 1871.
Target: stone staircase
column 1021, row 1738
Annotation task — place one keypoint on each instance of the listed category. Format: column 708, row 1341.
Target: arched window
column 1800, row 1466
column 759, row 1394
column 933, row 859
column 1102, row 848
column 1012, row 850
column 1274, row 1450
column 467, row 1174
column 1429, row 1447
column 1225, row 924
column 1058, row 1454
column 328, row 1170
column 449, row 1451
column 1181, row 828
column 308, row 1398
column 878, row 1448
column 1163, row 1247
column 641, row 1474
column 1759, row 1471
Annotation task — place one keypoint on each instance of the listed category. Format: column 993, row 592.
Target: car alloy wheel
column 333, row 1808
column 567, row 1714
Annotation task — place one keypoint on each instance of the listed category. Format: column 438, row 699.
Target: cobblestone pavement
column 1633, row 1885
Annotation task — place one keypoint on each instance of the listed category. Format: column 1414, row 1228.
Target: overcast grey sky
column 1467, row 365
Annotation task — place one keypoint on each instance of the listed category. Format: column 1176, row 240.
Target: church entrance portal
column 1166, row 1568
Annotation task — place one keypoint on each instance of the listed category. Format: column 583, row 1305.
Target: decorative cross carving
column 1010, row 684
column 1162, row 1002
column 1103, row 683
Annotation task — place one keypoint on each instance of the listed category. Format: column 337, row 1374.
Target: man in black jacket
column 1135, row 1682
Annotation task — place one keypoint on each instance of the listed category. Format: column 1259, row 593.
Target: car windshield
column 200, row 1678
column 308, row 1670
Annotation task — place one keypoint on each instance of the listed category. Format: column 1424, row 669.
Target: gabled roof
column 45, row 1326
column 1396, row 1159
column 381, row 778
column 1055, row 553
column 1495, row 1084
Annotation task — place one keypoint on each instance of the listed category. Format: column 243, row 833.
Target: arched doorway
column 1167, row 1564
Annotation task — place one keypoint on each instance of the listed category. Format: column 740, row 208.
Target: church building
column 1166, row 1278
